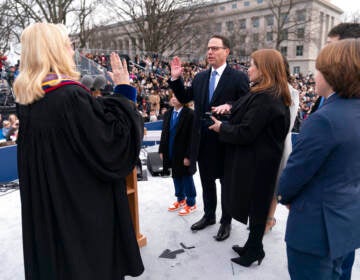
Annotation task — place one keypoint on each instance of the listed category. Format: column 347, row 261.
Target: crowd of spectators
column 149, row 74
column 9, row 128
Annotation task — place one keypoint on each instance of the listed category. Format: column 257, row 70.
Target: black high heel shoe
column 240, row 250
column 249, row 257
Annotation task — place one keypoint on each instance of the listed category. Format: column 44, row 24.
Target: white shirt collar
column 219, row 70
column 179, row 110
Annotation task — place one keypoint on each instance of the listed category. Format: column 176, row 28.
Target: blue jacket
column 321, row 181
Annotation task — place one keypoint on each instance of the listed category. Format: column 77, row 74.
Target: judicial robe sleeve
column 106, row 131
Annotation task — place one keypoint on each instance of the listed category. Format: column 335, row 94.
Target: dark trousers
column 211, row 167
column 304, row 266
column 185, row 189
column 210, row 197
column 347, row 266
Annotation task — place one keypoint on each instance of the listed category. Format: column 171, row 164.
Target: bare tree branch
column 288, row 21
column 157, row 25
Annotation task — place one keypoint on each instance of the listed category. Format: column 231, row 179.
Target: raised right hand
column 176, row 69
column 119, row 74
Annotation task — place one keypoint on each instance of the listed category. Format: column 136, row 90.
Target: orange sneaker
column 177, row 205
column 187, row 210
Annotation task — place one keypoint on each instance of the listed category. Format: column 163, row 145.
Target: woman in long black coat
column 255, row 137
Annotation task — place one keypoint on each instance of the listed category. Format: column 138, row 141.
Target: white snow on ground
column 209, row 259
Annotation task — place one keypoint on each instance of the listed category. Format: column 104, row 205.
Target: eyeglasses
column 214, row 49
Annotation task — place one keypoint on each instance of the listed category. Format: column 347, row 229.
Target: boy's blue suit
column 321, row 182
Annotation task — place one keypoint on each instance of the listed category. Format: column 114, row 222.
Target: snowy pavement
column 209, row 259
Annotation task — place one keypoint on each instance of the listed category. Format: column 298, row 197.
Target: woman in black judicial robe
column 254, row 140
column 74, row 152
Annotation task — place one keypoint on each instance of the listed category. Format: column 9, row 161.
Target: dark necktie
column 174, row 118
column 174, row 115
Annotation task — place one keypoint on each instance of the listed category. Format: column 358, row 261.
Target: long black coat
column 74, row 152
column 232, row 85
column 182, row 142
column 254, row 140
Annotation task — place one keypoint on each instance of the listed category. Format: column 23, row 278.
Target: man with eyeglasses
column 218, row 85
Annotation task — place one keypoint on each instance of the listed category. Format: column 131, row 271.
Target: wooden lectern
column 132, row 193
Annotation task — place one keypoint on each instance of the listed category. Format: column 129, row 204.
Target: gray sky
column 348, row 6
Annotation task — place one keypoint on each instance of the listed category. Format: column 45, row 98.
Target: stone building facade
column 250, row 25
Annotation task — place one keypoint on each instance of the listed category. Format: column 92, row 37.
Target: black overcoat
column 232, row 85
column 74, row 152
column 254, row 140
column 182, row 142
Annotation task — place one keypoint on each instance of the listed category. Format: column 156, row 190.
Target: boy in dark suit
column 174, row 150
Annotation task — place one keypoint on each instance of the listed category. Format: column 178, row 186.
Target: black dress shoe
column 223, row 233
column 202, row 223
column 240, row 250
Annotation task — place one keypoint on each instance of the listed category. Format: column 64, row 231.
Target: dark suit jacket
column 254, row 140
column 232, row 85
column 321, row 181
column 181, row 146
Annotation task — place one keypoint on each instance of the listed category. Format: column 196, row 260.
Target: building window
column 284, row 17
column 256, row 37
column 299, row 50
column 255, row 22
column 211, row 10
column 260, row 1
column 230, row 26
column 218, row 27
column 242, row 23
column 269, row 20
column 283, row 35
column 296, row 69
column 301, row 15
column 234, row 6
column 283, row 51
column 242, row 39
column 246, row 3
column 222, row 8
column 269, row 36
column 300, row 33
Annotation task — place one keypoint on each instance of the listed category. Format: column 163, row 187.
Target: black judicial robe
column 74, row 152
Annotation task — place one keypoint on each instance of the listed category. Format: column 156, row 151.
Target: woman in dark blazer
column 321, row 182
column 174, row 150
column 254, row 138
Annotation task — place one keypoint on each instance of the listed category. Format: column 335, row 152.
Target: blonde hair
column 44, row 49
